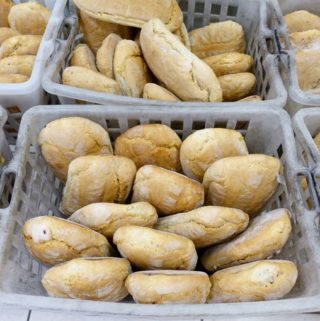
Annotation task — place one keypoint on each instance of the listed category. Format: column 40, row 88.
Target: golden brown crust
column 204, row 147
column 266, row 235
column 5, row 6
column 151, row 249
column 207, row 225
column 13, row 78
column 305, row 40
column 218, row 38
column 106, row 218
column 301, row 20
column 156, row 92
column 6, row 33
column 100, row 279
column 94, row 179
column 82, row 56
column 65, row 139
column 183, row 73
column 168, row 287
column 53, row 240
column 168, row 191
column 22, row 65
column 257, row 281
column 150, row 144
column 257, row 179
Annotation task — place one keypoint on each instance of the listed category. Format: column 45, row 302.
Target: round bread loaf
column 53, row 240
column 150, row 144
column 94, row 179
column 204, row 147
column 105, row 55
column 82, row 56
column 301, row 20
column 22, row 65
column 183, row 73
column 100, row 279
column 305, row 40
column 244, row 182
column 12, row 78
column 106, row 218
column 266, row 235
column 130, row 69
column 168, row 287
column 257, row 281
column 218, row 38
column 66, row 139
column 156, row 92
column 29, row 18
column 151, row 249
column 6, row 33
column 168, row 191
column 207, row 225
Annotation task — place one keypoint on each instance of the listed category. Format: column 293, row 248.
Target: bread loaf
column 22, row 65
column 183, row 36
column 251, row 98
column 156, row 92
column 301, row 20
column 82, row 56
column 305, row 40
column 12, row 78
column 6, row 33
column 5, row 6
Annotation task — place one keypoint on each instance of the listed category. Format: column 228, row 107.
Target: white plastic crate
column 253, row 15
column 18, row 98
column 297, row 98
column 38, row 192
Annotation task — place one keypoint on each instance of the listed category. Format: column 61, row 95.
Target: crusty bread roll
column 82, row 56
column 100, row 279
column 53, row 240
column 257, row 281
column 84, row 78
column 204, row 147
column 5, row 6
column 6, row 33
column 66, row 139
column 266, row 235
column 106, row 218
column 29, row 18
column 22, row 65
column 168, row 287
column 183, row 73
column 305, row 40
column 244, row 182
column 95, row 31
column 150, row 144
column 168, row 191
column 130, row 69
column 94, row 179
column 317, row 140
column 218, row 38
column 301, row 20
column 251, row 98
column 156, row 92
column 308, row 69
column 134, row 12
column 12, row 78
column 105, row 55
column 183, row 36
column 151, row 249
column 237, row 86
column 229, row 63
column 206, row 225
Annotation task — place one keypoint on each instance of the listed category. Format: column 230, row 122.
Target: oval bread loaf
column 12, row 78
column 5, row 6
column 218, row 38
column 94, row 179
column 257, row 281
column 66, row 139
column 22, row 65
column 53, row 240
column 106, row 218
column 183, row 35
column 6, row 33
column 301, row 20
column 84, row 78
column 100, row 279
column 204, row 147
column 305, row 40
column 206, row 225
column 168, row 287
column 266, row 235
column 183, row 73
column 168, row 191
column 82, row 56
column 151, row 249
column 156, row 92
column 244, row 182
column 150, row 144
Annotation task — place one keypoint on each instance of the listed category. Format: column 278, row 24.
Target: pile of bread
column 151, row 204
column 304, row 34
column 142, row 49
column 21, row 29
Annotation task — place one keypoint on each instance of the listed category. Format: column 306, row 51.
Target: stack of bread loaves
column 208, row 193
column 304, row 34
column 160, row 60
column 21, row 29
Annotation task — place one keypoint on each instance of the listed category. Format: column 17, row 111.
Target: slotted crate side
column 251, row 14
column 38, row 192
